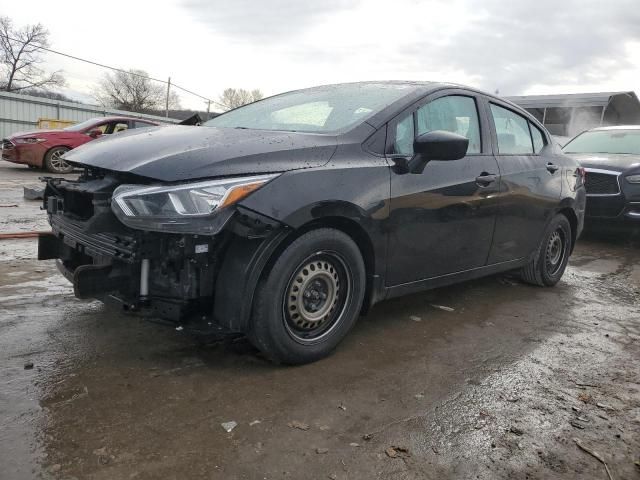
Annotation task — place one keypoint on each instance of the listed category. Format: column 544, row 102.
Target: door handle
column 552, row 168
column 485, row 179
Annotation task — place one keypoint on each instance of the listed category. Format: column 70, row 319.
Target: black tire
column 550, row 262
column 55, row 164
column 310, row 298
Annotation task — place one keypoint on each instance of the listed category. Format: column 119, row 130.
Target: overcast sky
column 516, row 47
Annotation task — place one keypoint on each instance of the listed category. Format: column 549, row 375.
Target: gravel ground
column 507, row 385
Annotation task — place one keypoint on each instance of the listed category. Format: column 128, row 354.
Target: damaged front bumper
column 168, row 276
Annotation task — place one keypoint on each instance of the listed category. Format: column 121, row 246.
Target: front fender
column 243, row 264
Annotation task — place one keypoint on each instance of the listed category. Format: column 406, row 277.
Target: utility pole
column 166, row 105
column 208, row 108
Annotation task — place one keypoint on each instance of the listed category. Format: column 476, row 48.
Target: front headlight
column 29, row 140
column 186, row 208
column 633, row 178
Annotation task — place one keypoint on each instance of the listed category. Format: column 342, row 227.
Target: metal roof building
column 23, row 112
column 570, row 114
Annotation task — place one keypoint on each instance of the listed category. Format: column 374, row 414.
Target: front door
column 441, row 220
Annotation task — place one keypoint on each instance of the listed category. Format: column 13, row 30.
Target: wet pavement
column 497, row 388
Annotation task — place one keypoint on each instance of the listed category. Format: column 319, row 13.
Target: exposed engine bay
column 165, row 275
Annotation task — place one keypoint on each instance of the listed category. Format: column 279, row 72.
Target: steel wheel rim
column 555, row 252
column 56, row 161
column 316, row 296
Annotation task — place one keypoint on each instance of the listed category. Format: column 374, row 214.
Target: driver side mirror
column 95, row 133
column 437, row 145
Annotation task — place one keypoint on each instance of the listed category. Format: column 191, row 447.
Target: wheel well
column 573, row 222
column 347, row 226
column 51, row 148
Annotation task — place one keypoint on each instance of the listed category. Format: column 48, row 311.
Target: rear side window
column 513, row 132
column 457, row 114
column 537, row 137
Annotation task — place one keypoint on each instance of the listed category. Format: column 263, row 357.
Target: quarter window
column 403, row 143
column 513, row 132
column 455, row 114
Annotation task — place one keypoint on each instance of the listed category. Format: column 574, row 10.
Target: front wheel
column 310, row 298
column 54, row 162
column 550, row 262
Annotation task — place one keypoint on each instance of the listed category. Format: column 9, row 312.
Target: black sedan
column 611, row 159
column 288, row 218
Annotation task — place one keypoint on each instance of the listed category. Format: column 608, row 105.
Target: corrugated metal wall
column 22, row 112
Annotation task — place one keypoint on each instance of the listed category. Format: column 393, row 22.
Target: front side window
column 456, row 114
column 103, row 127
column 513, row 133
column 606, row 141
column 120, row 127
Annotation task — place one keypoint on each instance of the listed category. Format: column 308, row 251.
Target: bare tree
column 134, row 91
column 20, row 57
column 236, row 97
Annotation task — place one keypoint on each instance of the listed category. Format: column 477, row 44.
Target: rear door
column 441, row 220
column 531, row 185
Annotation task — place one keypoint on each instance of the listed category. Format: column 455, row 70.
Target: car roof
column 418, row 85
column 424, row 86
column 615, row 127
column 114, row 118
column 418, row 90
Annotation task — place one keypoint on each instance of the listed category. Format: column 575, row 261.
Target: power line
column 46, row 49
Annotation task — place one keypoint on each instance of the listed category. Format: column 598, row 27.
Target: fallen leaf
column 585, row 397
column 298, row 425
column 397, row 452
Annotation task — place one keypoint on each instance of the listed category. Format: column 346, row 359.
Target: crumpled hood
column 179, row 153
column 607, row 161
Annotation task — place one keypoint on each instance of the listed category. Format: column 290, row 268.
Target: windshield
column 606, row 141
column 81, row 126
column 327, row 109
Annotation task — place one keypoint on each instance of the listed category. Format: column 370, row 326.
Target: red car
column 44, row 148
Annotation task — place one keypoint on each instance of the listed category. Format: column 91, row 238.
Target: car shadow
column 619, row 234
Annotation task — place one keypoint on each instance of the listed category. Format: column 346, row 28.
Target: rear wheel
column 547, row 268
column 54, row 163
column 310, row 299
